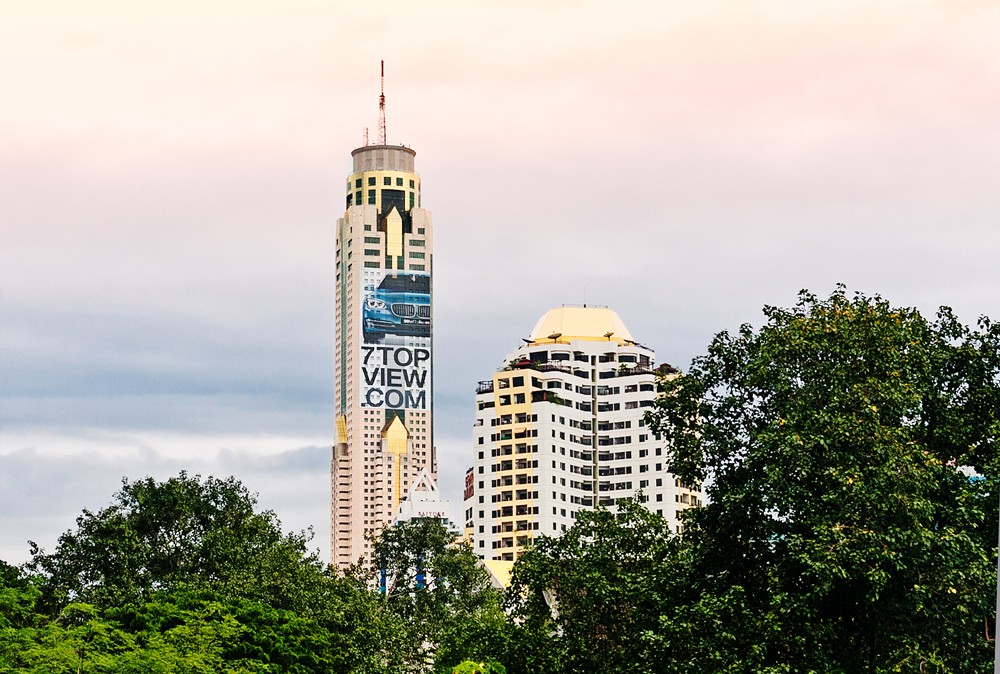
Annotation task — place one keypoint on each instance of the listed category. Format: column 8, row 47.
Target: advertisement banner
column 396, row 327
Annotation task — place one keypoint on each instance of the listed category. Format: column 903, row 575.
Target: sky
column 171, row 175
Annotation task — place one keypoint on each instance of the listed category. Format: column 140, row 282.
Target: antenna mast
column 381, row 108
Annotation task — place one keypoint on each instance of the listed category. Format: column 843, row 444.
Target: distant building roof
column 565, row 324
column 424, row 502
column 499, row 572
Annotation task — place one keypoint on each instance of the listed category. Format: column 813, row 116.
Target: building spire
column 381, row 108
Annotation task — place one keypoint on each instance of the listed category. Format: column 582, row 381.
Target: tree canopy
column 446, row 609
column 187, row 575
column 594, row 592
column 851, row 454
column 183, row 531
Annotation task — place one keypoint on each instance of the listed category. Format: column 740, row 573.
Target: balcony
column 624, row 371
column 485, row 387
column 552, row 367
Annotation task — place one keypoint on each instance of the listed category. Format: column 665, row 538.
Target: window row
column 386, row 180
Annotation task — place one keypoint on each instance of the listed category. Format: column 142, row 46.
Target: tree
column 182, row 532
column 440, row 596
column 586, row 600
column 187, row 575
column 851, row 453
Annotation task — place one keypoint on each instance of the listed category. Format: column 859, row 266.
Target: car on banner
column 399, row 305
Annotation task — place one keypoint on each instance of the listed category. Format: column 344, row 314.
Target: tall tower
column 383, row 387
column 560, row 428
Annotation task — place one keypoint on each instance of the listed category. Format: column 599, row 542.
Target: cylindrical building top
column 581, row 323
column 383, row 158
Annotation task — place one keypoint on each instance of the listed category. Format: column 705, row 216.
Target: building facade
column 559, row 429
column 383, row 348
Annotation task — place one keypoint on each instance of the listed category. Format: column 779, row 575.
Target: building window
column 420, row 230
column 417, row 267
column 371, row 239
column 399, row 182
column 416, row 255
column 411, row 201
column 371, row 196
column 357, row 197
column 357, row 183
column 371, row 265
column 387, row 180
column 371, row 181
column 411, row 185
column 419, row 243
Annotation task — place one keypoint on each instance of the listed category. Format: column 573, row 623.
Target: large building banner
column 396, row 327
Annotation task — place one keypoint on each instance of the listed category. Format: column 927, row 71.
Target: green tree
column 184, row 531
column 585, row 601
column 439, row 595
column 844, row 530
column 186, row 575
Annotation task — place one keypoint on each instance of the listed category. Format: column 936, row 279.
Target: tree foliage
column 842, row 532
column 597, row 590
column 183, row 531
column 187, row 575
column 446, row 608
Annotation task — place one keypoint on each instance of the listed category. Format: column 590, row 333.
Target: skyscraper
column 559, row 429
column 383, row 385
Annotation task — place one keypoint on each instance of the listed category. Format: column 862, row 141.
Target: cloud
column 172, row 176
column 44, row 487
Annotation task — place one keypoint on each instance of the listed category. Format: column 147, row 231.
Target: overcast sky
column 171, row 175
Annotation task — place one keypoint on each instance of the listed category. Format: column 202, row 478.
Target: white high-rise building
column 383, row 387
column 559, row 428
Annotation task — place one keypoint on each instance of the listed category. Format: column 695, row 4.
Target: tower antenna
column 381, row 108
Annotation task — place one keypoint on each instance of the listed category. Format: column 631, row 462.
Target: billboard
column 396, row 329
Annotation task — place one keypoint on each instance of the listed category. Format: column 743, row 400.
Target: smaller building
column 560, row 428
column 424, row 502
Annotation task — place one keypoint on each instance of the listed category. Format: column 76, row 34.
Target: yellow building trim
column 394, row 234
column 526, row 470
column 342, row 429
column 396, row 438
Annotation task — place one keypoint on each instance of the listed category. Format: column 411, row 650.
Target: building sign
column 470, row 485
column 396, row 327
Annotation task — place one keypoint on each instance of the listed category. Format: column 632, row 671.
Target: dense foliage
column 850, row 455
column 186, row 576
column 182, row 532
column 596, row 592
column 852, row 515
column 438, row 592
